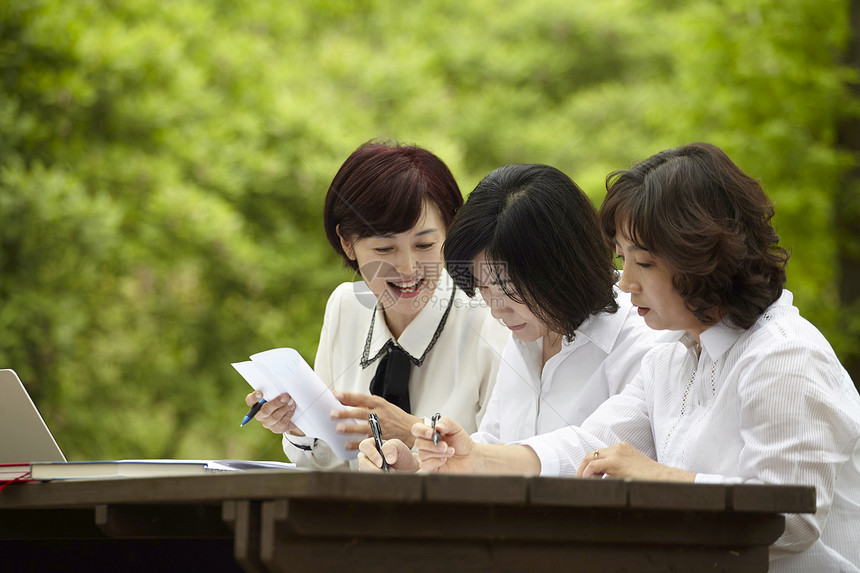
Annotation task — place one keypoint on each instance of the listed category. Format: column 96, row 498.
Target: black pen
column 252, row 412
column 377, row 438
column 433, row 421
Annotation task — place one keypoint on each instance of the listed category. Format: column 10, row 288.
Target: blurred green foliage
column 163, row 165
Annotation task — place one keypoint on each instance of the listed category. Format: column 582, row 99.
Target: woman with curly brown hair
column 752, row 393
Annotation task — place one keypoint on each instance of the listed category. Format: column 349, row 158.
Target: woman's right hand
column 276, row 414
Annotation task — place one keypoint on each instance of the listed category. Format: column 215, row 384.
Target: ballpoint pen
column 377, row 438
column 433, row 421
column 252, row 412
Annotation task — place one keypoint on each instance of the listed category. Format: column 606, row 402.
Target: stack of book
column 106, row 469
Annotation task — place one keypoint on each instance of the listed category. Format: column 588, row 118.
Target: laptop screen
column 24, row 436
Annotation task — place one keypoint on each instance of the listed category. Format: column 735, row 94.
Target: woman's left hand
column 623, row 460
column 394, row 422
column 398, row 456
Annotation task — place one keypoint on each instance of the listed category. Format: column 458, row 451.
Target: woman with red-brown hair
column 404, row 342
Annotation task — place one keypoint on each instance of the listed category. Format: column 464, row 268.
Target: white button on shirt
column 456, row 377
column 770, row 404
column 604, row 356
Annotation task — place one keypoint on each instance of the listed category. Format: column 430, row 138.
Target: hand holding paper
column 283, row 370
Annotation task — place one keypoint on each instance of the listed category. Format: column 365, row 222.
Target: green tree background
column 163, row 165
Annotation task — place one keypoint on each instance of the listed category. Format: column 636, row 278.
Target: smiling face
column 524, row 325
column 401, row 269
column 649, row 281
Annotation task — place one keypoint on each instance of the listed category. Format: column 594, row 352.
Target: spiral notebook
column 24, row 436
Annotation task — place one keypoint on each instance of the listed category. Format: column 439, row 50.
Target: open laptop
column 24, row 436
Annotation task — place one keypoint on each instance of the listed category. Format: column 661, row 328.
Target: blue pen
column 252, row 412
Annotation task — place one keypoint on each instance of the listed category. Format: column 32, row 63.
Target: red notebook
column 14, row 473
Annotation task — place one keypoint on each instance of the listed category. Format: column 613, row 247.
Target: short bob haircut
column 541, row 233
column 709, row 222
column 382, row 189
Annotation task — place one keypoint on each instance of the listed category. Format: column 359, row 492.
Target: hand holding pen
column 395, row 453
column 453, row 451
column 275, row 414
column 377, row 438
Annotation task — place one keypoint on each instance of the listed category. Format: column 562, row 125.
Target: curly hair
column 709, row 222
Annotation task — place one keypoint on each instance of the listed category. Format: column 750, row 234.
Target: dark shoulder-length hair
column 709, row 222
column 382, row 188
column 541, row 233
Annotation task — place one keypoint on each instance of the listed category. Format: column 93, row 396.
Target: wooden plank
column 304, row 517
column 262, row 484
column 48, row 524
column 637, row 527
column 674, row 495
column 481, row 522
column 161, row 521
column 274, row 533
column 299, row 555
column 123, row 556
column 209, row 488
column 360, row 555
column 764, row 498
column 243, row 518
column 214, row 488
column 475, row 489
column 615, row 557
column 572, row 492
column 357, row 486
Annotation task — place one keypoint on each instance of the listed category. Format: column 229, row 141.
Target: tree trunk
column 847, row 207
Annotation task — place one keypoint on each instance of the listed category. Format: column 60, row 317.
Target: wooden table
column 342, row 521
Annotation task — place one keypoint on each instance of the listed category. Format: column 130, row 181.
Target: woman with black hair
column 529, row 241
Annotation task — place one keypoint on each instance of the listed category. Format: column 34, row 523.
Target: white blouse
column 602, row 359
column 455, row 378
column 770, row 404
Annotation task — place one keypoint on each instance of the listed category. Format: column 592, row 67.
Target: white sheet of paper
column 281, row 370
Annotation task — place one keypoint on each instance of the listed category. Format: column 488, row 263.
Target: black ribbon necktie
column 391, row 380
